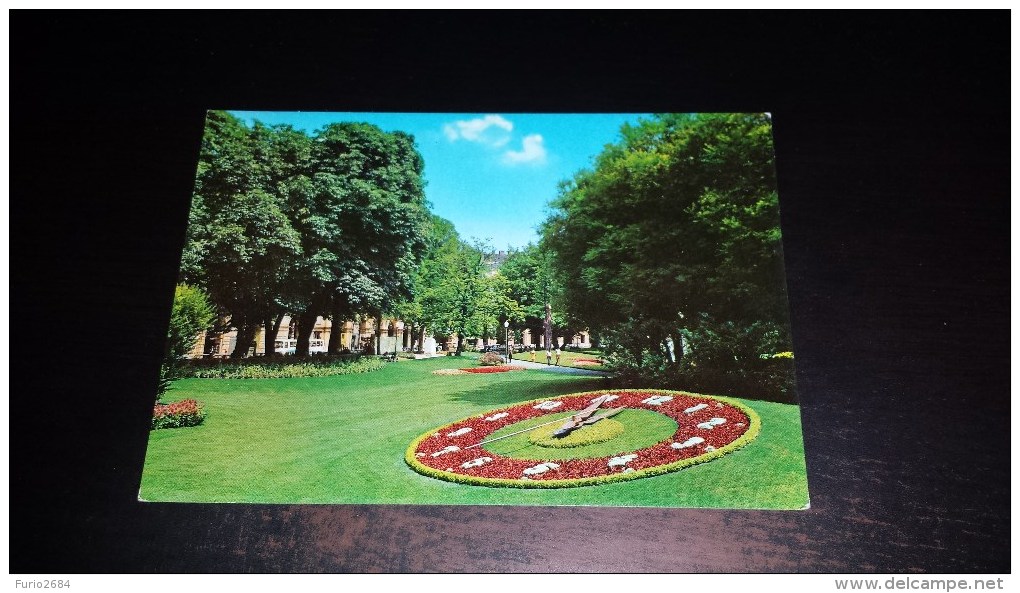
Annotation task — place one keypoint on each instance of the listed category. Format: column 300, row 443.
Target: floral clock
column 584, row 439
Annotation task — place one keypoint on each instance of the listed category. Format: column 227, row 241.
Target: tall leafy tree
column 533, row 282
column 240, row 239
column 286, row 156
column 456, row 293
column 362, row 215
column 424, row 278
column 192, row 313
column 673, row 237
column 281, row 222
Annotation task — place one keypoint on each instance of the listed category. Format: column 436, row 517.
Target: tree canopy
column 668, row 247
column 192, row 313
column 673, row 237
column 454, row 291
column 328, row 224
column 532, row 283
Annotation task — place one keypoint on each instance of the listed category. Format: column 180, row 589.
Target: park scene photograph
column 481, row 309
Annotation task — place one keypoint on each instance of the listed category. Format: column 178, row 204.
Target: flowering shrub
column 490, row 359
column 280, row 368
column 689, row 445
column 186, row 412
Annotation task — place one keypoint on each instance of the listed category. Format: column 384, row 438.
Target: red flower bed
column 444, row 453
column 496, row 369
column 588, row 360
column 186, row 412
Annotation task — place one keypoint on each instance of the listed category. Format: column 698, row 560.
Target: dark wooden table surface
column 892, row 136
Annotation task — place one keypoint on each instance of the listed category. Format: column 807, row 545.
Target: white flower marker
column 607, row 398
column 712, row 423
column 696, row 408
column 709, row 448
column 688, row 443
column 657, row 400
column 445, row 450
column 548, row 405
column 622, row 460
column 460, row 432
column 496, row 417
column 541, row 468
column 476, row 462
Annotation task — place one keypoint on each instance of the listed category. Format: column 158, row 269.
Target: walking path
column 558, row 369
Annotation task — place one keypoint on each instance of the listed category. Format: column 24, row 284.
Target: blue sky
column 491, row 174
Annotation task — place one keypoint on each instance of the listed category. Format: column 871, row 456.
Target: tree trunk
column 306, row 323
column 269, row 336
column 548, row 327
column 377, row 322
column 336, row 334
column 245, row 336
column 336, row 337
column 272, row 330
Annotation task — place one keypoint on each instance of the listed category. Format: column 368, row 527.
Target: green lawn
column 568, row 358
column 342, row 440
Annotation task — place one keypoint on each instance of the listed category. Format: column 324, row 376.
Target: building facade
column 357, row 336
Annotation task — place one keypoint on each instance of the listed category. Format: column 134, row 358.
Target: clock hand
column 511, row 434
column 570, row 427
column 577, row 419
column 604, row 415
column 574, row 421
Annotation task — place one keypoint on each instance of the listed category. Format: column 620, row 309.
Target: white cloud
column 492, row 130
column 532, row 151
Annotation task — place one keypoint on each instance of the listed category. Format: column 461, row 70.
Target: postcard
column 481, row 309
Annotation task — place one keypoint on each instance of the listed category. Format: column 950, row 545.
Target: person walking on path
column 557, row 356
column 532, row 355
column 548, row 356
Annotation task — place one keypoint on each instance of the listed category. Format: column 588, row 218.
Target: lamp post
column 506, row 326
